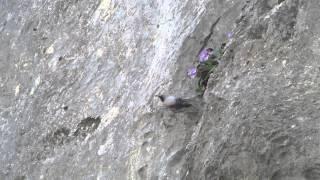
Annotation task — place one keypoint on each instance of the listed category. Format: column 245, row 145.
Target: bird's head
column 161, row 97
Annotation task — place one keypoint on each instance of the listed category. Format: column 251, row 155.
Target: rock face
column 262, row 118
column 78, row 80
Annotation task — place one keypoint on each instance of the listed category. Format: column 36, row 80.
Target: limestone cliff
column 78, row 80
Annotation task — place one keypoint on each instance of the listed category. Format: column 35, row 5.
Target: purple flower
column 192, row 72
column 229, row 35
column 205, row 54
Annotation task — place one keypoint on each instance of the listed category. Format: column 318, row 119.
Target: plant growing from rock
column 208, row 61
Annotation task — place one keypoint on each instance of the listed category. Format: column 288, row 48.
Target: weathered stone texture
column 78, row 80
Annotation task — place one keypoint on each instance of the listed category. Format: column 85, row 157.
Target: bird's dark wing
column 181, row 103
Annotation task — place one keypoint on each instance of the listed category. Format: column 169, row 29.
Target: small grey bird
column 174, row 103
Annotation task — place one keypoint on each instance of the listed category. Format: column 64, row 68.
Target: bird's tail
column 183, row 103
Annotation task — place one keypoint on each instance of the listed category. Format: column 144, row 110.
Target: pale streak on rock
column 133, row 162
column 274, row 10
column 35, row 86
column 99, row 52
column 17, row 90
column 50, row 49
column 104, row 11
column 108, row 118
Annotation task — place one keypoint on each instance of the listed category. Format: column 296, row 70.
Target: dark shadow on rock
column 142, row 172
column 58, row 137
column 87, row 126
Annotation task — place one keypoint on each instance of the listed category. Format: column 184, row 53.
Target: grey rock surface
column 78, row 80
